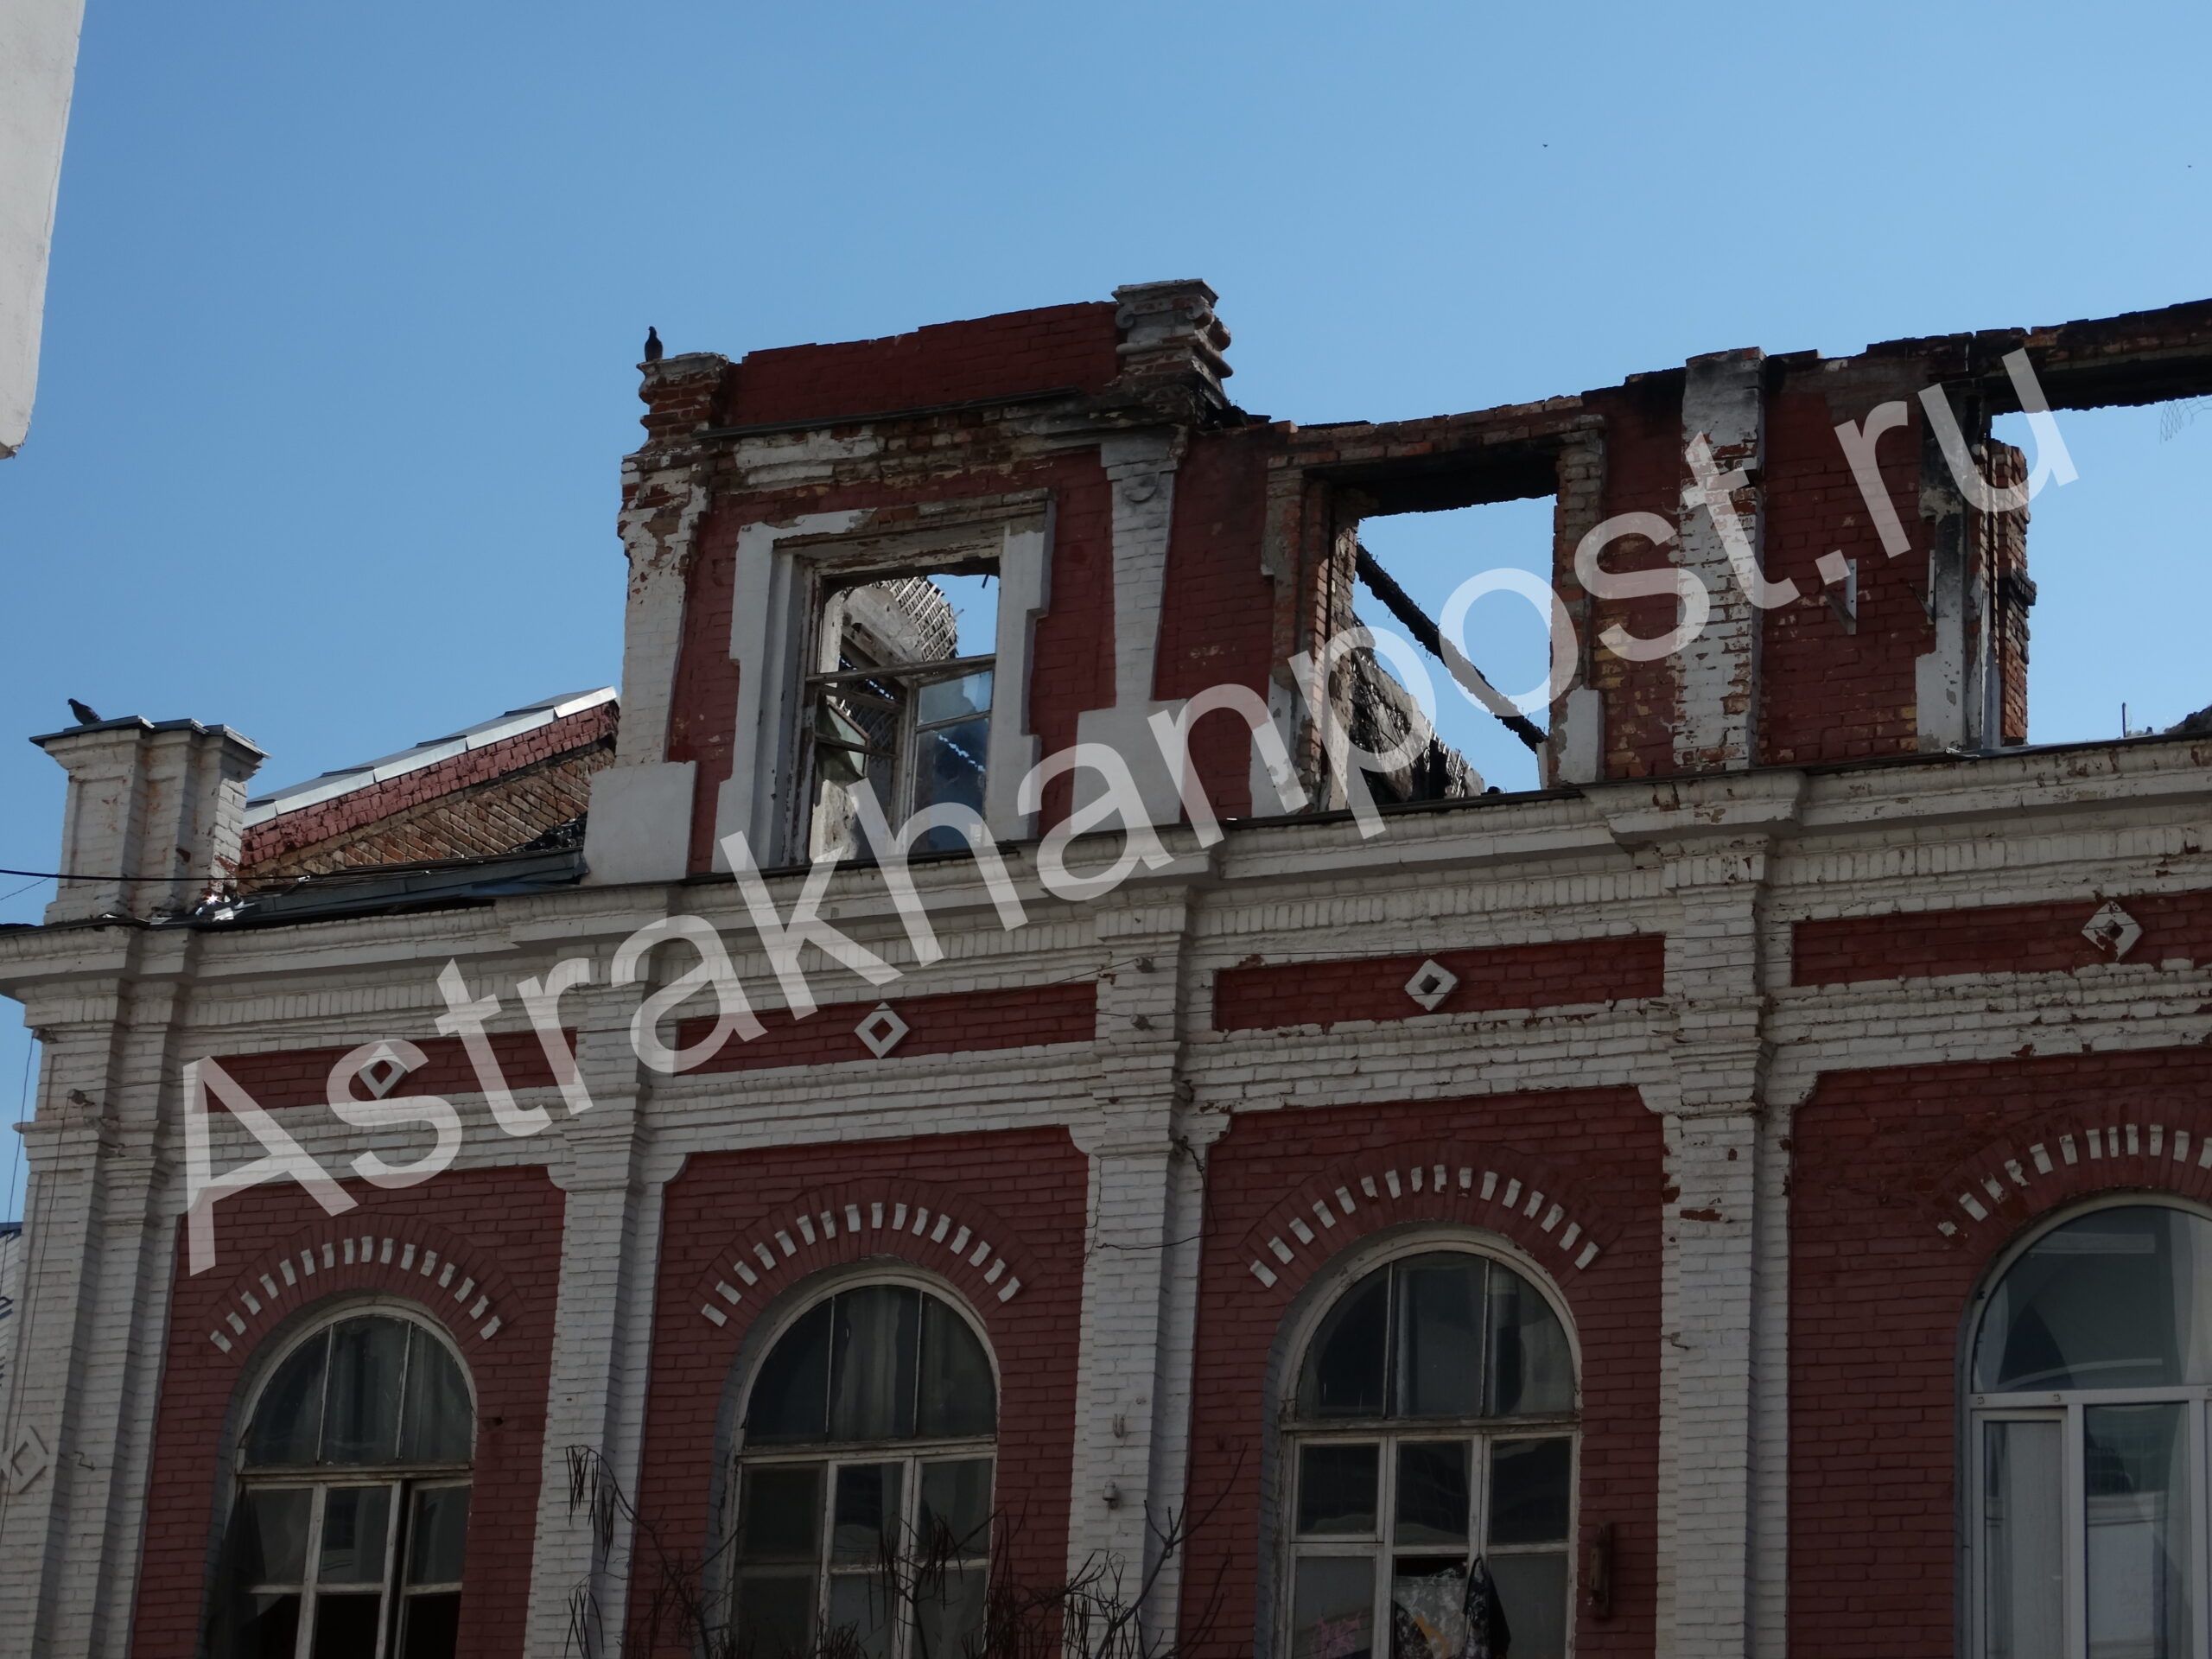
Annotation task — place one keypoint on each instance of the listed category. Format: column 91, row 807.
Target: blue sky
column 345, row 301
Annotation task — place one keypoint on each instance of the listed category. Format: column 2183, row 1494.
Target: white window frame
column 831, row 1455
column 1386, row 1433
column 2067, row 1407
column 776, row 597
column 403, row 1480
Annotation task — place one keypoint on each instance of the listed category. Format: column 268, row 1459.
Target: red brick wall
column 1993, row 939
column 1597, row 1153
column 950, row 1024
column 505, row 1232
column 1645, row 472
column 300, row 1077
column 1216, row 622
column 1827, row 695
column 1880, row 1293
column 1055, row 346
column 1024, row 1191
column 1255, row 998
column 328, row 824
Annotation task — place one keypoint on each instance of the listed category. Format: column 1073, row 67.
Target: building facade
column 1225, row 1167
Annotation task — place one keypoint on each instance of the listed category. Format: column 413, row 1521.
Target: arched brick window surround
column 1302, row 1312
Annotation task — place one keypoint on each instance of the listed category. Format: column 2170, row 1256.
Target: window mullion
column 2074, row 1478
column 395, row 1523
column 310, row 1566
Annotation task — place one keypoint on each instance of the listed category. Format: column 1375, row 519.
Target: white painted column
column 89, row 1330
column 1132, row 1393
column 1140, row 468
column 595, row 1396
column 1722, row 537
column 1720, row 1444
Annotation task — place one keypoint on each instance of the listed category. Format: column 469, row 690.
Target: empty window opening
column 1430, row 555
column 2122, row 564
column 899, row 701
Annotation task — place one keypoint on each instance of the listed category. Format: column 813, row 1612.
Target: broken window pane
column 886, row 715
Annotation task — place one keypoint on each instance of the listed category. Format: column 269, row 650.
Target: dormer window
column 900, row 704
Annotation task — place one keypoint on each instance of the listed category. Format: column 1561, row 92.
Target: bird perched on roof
column 652, row 344
column 86, row 717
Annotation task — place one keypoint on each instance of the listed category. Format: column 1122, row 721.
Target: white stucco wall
column 38, row 67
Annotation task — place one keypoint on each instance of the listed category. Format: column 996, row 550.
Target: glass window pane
column 949, row 769
column 437, row 1423
column 1438, row 1338
column 288, row 1420
column 863, row 1613
column 438, row 1536
column 1332, row 1608
column 1532, row 1368
column 345, row 1626
column 958, row 1397
column 1336, row 1490
column 790, row 1400
column 866, row 1525
column 355, row 1522
column 360, row 1421
column 2109, row 1300
column 1343, row 1374
column 2137, row 1482
column 954, row 699
column 1531, row 1483
column 1532, row 1592
column 2023, row 1536
column 272, row 1535
column 1428, row 1607
column 775, row 1615
column 873, row 1336
column 271, row 1627
column 949, row 1617
column 433, row 1630
column 1432, row 1499
column 955, row 1518
column 779, row 1514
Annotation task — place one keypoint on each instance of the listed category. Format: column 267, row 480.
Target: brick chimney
column 154, row 815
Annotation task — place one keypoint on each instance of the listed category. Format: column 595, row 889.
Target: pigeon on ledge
column 85, row 717
column 652, row 345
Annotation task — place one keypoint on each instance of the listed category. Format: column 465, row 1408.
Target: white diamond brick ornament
column 382, row 1075
column 882, row 1031
column 2113, row 930
column 1431, row 984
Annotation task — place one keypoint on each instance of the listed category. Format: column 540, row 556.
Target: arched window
column 352, row 1510
column 1431, row 1474
column 2087, row 1438
column 864, row 1482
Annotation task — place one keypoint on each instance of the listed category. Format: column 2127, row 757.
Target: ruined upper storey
column 916, row 568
